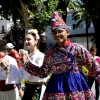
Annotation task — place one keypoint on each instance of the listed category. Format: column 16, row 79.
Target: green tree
column 15, row 36
column 90, row 11
column 31, row 12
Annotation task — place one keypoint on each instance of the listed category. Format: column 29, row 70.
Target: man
column 12, row 52
column 7, row 91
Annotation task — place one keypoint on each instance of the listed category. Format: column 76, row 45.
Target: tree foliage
column 15, row 36
column 32, row 13
column 89, row 10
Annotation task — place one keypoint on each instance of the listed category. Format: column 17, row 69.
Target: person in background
column 93, row 51
column 7, row 91
column 34, row 85
column 64, row 61
column 13, row 53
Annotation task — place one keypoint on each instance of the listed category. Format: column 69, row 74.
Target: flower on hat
column 33, row 31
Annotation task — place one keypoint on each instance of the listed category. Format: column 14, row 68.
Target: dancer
column 7, row 91
column 64, row 61
column 34, row 84
column 13, row 53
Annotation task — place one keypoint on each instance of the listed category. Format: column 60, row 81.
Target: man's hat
column 57, row 21
column 9, row 46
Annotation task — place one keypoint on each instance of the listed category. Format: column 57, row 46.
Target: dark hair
column 93, row 49
column 43, row 44
column 2, row 45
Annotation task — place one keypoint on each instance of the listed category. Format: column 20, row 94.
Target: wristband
column 5, row 68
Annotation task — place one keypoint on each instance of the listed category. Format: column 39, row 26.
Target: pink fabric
column 98, row 59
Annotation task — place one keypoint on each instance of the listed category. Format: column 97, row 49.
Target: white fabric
column 9, row 46
column 10, row 95
column 13, row 65
column 42, row 91
column 16, row 75
column 37, row 59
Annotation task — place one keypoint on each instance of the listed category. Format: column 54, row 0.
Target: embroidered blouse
column 62, row 59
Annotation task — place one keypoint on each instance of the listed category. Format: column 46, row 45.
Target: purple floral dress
column 67, row 81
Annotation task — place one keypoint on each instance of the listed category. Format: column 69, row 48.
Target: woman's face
column 30, row 41
column 60, row 36
column 93, row 53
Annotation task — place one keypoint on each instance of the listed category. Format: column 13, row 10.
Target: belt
column 39, row 83
column 7, row 87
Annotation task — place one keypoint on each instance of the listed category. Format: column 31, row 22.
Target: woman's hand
column 23, row 55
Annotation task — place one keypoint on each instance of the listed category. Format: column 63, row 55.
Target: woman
column 93, row 51
column 33, row 84
column 64, row 61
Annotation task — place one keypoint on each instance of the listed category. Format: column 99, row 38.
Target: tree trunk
column 24, row 13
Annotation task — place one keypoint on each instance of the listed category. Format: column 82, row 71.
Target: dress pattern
column 67, row 81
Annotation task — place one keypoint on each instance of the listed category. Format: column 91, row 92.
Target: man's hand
column 4, row 63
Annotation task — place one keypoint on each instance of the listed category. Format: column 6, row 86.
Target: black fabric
column 97, row 86
column 32, row 90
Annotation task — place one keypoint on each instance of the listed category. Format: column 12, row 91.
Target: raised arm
column 86, row 59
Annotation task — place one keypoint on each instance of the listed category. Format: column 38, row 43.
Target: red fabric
column 3, row 56
column 2, row 83
column 19, row 66
column 67, row 43
column 15, row 55
column 7, row 87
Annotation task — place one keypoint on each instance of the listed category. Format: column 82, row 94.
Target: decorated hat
column 34, row 32
column 57, row 21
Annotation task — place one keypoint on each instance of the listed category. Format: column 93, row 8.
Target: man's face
column 8, row 50
column 60, row 36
